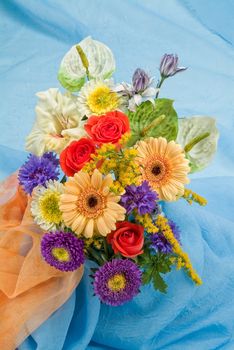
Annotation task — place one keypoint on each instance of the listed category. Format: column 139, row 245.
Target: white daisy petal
column 45, row 205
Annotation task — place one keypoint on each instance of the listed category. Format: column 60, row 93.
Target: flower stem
column 64, row 178
column 94, row 254
column 159, row 85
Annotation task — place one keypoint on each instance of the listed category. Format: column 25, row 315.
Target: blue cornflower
column 140, row 197
column 37, row 170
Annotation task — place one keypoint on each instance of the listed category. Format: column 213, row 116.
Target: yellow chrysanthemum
column 45, row 205
column 97, row 97
column 88, row 206
column 164, row 166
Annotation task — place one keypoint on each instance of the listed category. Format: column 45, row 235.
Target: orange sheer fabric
column 30, row 290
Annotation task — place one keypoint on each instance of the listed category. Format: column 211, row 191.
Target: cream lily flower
column 58, row 122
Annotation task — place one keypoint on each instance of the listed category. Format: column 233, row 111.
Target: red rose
column 76, row 155
column 127, row 239
column 107, row 128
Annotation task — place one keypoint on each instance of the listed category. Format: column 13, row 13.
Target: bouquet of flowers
column 103, row 159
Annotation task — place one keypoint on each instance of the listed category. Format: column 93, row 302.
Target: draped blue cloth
column 34, row 36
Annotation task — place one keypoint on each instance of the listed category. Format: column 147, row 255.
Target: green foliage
column 154, row 266
column 159, row 283
column 151, row 120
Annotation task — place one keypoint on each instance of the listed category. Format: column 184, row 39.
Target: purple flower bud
column 140, row 80
column 169, row 66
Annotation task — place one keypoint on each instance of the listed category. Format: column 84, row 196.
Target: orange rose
column 107, row 128
column 76, row 155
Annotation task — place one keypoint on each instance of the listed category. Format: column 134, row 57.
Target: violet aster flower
column 117, row 281
column 37, row 170
column 160, row 243
column 62, row 250
column 140, row 197
column 169, row 66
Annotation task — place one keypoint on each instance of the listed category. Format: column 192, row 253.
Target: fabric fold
column 30, row 290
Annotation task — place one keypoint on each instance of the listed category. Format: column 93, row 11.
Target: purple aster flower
column 117, row 281
column 140, row 80
column 140, row 197
column 169, row 66
column 37, row 170
column 160, row 243
column 62, row 250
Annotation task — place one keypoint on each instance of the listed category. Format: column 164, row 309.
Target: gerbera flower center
column 91, row 203
column 117, row 282
column 49, row 207
column 102, row 100
column 61, row 254
column 156, row 170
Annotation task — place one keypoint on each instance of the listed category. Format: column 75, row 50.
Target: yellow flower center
column 91, row 203
column 102, row 100
column 49, row 207
column 61, row 254
column 117, row 282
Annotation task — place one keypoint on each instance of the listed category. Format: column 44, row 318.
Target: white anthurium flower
column 58, row 122
column 198, row 135
column 101, row 64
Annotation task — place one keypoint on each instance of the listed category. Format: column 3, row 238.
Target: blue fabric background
column 34, row 36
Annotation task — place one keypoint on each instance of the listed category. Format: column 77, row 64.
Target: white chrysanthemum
column 98, row 97
column 72, row 73
column 203, row 151
column 57, row 123
column 45, row 205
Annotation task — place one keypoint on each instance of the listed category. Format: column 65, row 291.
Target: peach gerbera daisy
column 88, row 206
column 164, row 166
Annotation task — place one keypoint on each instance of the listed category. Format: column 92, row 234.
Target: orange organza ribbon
column 30, row 290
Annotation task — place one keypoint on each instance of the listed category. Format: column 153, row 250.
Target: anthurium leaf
column 159, row 283
column 154, row 120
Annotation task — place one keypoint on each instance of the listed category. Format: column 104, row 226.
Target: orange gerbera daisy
column 88, row 206
column 164, row 166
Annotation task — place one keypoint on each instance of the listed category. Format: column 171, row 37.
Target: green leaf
column 145, row 259
column 164, row 263
column 159, row 283
column 147, row 275
column 151, row 120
